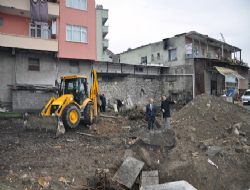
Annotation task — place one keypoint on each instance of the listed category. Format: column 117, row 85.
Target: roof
column 129, row 49
column 73, row 76
column 226, row 71
column 209, row 40
column 197, row 36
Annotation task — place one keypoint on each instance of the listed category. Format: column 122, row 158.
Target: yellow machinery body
column 74, row 102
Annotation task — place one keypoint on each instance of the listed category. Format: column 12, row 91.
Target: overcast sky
column 133, row 23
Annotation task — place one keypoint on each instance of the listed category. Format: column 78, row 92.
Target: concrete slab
column 177, row 185
column 149, row 178
column 128, row 171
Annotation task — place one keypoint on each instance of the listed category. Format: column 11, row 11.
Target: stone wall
column 136, row 88
column 139, row 89
column 178, row 87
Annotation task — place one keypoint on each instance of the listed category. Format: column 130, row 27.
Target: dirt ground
column 33, row 156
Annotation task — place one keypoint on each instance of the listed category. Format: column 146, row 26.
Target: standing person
column 103, row 103
column 101, row 99
column 165, row 108
column 119, row 104
column 150, row 113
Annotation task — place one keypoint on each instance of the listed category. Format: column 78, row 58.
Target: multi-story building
column 102, row 30
column 214, row 65
column 41, row 40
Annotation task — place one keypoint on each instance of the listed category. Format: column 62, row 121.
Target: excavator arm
column 94, row 91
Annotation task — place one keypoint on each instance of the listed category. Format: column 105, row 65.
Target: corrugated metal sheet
column 226, row 71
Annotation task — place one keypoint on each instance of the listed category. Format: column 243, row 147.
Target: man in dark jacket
column 165, row 108
column 150, row 114
column 103, row 103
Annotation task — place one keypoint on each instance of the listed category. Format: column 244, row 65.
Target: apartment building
column 102, row 29
column 214, row 65
column 40, row 40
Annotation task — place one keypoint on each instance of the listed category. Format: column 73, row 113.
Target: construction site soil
column 208, row 146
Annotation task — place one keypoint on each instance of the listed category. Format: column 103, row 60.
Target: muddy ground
column 33, row 156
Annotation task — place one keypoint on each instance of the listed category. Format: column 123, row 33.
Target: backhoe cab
column 74, row 103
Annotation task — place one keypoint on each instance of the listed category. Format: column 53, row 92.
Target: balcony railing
column 105, row 43
column 25, row 42
column 105, row 30
column 24, row 5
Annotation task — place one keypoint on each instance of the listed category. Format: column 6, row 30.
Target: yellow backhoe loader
column 74, row 103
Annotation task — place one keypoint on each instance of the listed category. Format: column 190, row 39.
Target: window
column 144, row 60
column 172, row 55
column 152, row 57
column 138, row 69
column 158, row 56
column 39, row 30
column 76, row 34
column 203, row 52
column 77, row 4
column 74, row 67
column 34, row 64
column 1, row 21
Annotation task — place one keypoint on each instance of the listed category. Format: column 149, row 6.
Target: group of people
column 150, row 110
column 165, row 109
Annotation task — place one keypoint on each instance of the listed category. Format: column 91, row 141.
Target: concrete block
column 128, row 172
column 177, row 185
column 149, row 178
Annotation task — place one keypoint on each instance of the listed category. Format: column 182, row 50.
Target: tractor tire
column 71, row 117
column 88, row 114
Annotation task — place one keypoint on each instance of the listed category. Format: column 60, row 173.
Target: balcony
column 25, row 42
column 105, row 43
column 105, row 30
column 17, row 6
column 105, row 16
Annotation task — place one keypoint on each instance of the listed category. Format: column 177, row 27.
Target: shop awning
column 226, row 72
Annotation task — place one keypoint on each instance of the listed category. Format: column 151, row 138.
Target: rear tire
column 88, row 114
column 71, row 116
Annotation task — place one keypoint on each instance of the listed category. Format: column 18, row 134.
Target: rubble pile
column 213, row 144
column 210, row 120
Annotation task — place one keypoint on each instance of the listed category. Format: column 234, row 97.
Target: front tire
column 71, row 116
column 89, row 114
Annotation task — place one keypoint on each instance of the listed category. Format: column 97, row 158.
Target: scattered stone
column 239, row 149
column 237, row 125
column 246, row 149
column 243, row 140
column 215, row 118
column 241, row 133
column 214, row 150
column 128, row 171
column 236, row 131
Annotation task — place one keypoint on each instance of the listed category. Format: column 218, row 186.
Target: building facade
column 215, row 66
column 36, row 49
column 102, row 43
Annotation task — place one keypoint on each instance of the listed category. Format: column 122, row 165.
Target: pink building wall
column 73, row 50
column 87, row 19
column 15, row 24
